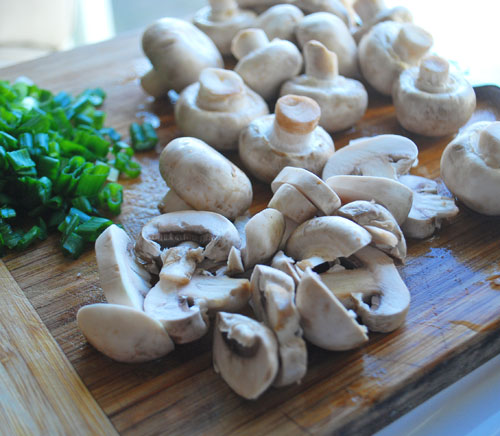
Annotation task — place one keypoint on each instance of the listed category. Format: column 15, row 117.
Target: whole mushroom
column 280, row 21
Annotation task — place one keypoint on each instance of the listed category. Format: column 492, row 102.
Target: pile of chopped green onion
column 58, row 166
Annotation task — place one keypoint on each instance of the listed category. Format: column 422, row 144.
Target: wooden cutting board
column 53, row 382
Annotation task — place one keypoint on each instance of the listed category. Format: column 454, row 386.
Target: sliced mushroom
column 291, row 137
column 342, row 101
column 287, row 265
column 388, row 49
column 381, row 156
column 174, row 45
column 393, row 195
column 428, row 209
column 279, row 21
column 333, row 33
column 217, row 107
column 292, row 204
column 123, row 280
column 179, row 262
column 123, row 333
column 326, row 322
column 273, row 295
column 245, row 353
column 264, row 65
column 204, row 178
column 431, row 100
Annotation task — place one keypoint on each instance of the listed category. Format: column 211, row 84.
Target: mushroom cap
column 245, row 353
column 179, row 52
column 279, row 21
column 327, row 237
column 123, row 280
column 123, row 333
column 204, row 178
column 333, row 33
column 335, row 7
column 234, row 106
column 470, row 170
column 437, row 113
column 381, row 156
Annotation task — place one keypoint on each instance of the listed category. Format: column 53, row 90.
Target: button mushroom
column 342, row 101
column 286, row 264
column 264, row 65
column 178, row 52
column 291, row 137
column 221, row 20
column 470, row 167
column 203, row 178
column 245, row 353
column 217, row 107
column 335, row 7
column 388, row 49
column 432, row 101
column 333, row 33
column 280, row 21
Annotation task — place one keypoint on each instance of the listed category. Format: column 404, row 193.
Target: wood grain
column 452, row 326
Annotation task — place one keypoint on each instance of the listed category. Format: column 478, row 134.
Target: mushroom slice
column 286, row 264
column 311, row 186
column 428, row 209
column 123, row 333
column 273, row 294
column 292, row 203
column 123, row 280
column 386, row 233
column 171, row 202
column 235, row 262
column 382, row 156
column 179, row 262
column 245, row 353
column 326, row 322
column 387, row 311
column 210, row 230
column 326, row 238
column 393, row 195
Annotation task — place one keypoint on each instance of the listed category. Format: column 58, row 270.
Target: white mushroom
column 286, row 264
column 203, row 178
column 470, row 167
column 381, row 156
column 292, row 204
column 431, row 100
column 326, row 322
column 221, row 20
column 388, row 49
column 245, row 353
column 217, row 107
column 336, row 7
column 264, row 65
column 178, row 52
column 291, row 137
column 333, row 33
column 123, row 333
column 179, row 262
column 428, row 209
column 279, row 21
column 261, row 5
column 342, row 101
column 123, row 280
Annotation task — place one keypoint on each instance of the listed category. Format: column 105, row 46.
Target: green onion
column 92, row 228
column 7, row 212
column 20, row 160
column 143, row 137
column 111, row 198
column 73, row 246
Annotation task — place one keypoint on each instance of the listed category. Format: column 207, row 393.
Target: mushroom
column 335, row 7
column 470, row 167
column 292, row 204
column 221, row 21
column 388, row 49
column 178, row 52
column 393, row 195
column 123, row 333
column 217, row 107
column 265, row 65
column 273, row 295
column 326, row 322
column 343, row 101
column 291, row 137
column 279, row 21
column 373, row 12
column 203, row 178
column 245, row 353
column 179, row 262
column 333, row 33
column 261, row 5
column 428, row 209
column 431, row 100
column 123, row 280
column 286, row 264
column 381, row 156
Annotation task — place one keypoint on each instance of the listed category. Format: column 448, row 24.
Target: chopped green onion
column 143, row 137
column 7, row 212
column 20, row 160
column 111, row 198
column 8, row 141
column 91, row 229
column 73, row 245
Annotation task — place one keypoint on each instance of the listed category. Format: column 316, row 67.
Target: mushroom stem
column 296, row 119
column 221, row 10
column 367, row 9
column 489, row 145
column 247, row 41
column 321, row 63
column 433, row 74
column 179, row 262
column 412, row 42
column 153, row 84
column 220, row 90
